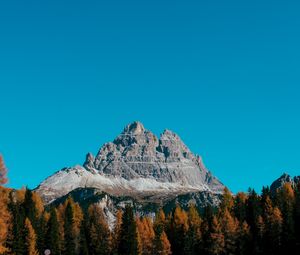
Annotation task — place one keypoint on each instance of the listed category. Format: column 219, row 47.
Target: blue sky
column 224, row 75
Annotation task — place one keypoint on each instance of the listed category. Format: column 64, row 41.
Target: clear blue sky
column 224, row 75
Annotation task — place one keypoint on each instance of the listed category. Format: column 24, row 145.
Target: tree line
column 245, row 223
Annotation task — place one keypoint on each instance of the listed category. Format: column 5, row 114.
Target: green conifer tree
column 69, row 239
column 52, row 233
column 129, row 242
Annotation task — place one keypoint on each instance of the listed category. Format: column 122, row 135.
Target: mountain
column 284, row 178
column 140, row 167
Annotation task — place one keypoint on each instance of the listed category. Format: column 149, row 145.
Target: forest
column 244, row 223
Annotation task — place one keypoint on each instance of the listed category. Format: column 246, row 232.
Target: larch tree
column 116, row 234
column 286, row 198
column 239, row 207
column 161, row 244
column 297, row 215
column 146, row 233
column 243, row 239
column 30, row 239
column 99, row 233
column 275, row 224
column 227, row 201
column 230, row 230
column 5, row 216
column 193, row 238
column 178, row 231
column 215, row 243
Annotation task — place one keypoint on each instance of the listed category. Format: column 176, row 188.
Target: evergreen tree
column 116, row 236
column 286, row 198
column 230, row 230
column 297, row 215
column 30, row 239
column 30, row 208
column 239, row 207
column 161, row 244
column 5, row 216
column 5, row 219
column 193, row 238
column 253, row 212
column 243, row 239
column 16, row 238
column 215, row 242
column 69, row 238
column 178, row 231
column 129, row 242
column 52, row 233
column 274, row 231
column 227, row 201
column 83, row 249
column 99, row 238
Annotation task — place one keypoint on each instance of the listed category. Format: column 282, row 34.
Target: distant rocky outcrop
column 284, row 178
column 139, row 165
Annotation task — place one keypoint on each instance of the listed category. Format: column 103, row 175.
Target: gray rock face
column 285, row 178
column 138, row 153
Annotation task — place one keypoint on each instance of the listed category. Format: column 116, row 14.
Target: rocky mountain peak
column 134, row 128
column 138, row 153
column 284, row 178
column 138, row 162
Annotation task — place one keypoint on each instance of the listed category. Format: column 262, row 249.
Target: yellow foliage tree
column 146, row 233
column 30, row 238
column 5, row 217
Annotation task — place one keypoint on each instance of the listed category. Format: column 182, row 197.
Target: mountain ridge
column 136, row 163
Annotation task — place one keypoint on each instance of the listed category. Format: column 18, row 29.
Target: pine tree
column 52, row 233
column 258, row 235
column 227, row 201
column 239, row 207
column 130, row 241
column 274, row 231
column 161, row 244
column 69, row 238
column 83, row 249
column 5, row 218
column 30, row 239
column 230, row 230
column 16, row 238
column 178, row 231
column 116, row 235
column 30, row 208
column 286, row 198
column 243, row 239
column 193, row 238
column 297, row 215
column 253, row 214
column 99, row 238
column 215, row 242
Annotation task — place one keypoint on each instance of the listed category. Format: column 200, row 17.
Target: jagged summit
column 137, row 161
column 284, row 178
column 134, row 128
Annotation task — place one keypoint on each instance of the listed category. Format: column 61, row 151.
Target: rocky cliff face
column 285, row 178
column 138, row 153
column 137, row 164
